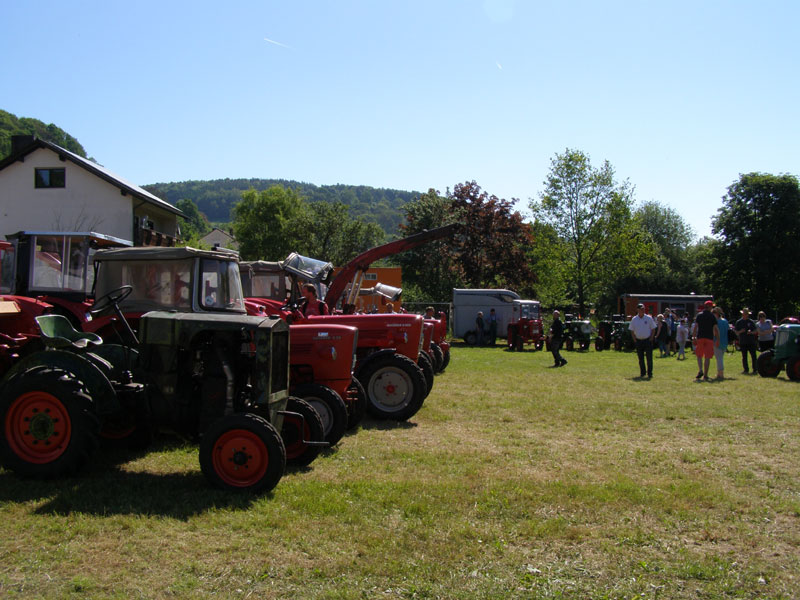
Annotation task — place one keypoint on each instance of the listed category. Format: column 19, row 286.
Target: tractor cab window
column 59, row 263
column 220, row 285
column 308, row 269
column 157, row 285
column 272, row 286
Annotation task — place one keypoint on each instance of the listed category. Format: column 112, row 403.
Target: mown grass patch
column 514, row 480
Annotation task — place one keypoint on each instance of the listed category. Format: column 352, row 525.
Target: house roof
column 94, row 168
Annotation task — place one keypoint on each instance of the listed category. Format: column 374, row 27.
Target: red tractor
column 391, row 363
column 526, row 325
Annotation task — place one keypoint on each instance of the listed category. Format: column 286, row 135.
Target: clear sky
column 680, row 97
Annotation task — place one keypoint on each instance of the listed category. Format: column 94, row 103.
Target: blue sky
column 680, row 97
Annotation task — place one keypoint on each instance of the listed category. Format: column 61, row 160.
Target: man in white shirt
column 643, row 329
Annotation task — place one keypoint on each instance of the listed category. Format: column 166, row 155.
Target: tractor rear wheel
column 569, row 344
column 446, row 360
column 357, row 409
column 295, row 430
column 438, row 358
column 49, row 425
column 598, row 344
column 471, row 338
column 618, row 344
column 793, row 368
column 426, row 364
column 539, row 344
column 330, row 407
column 584, row 344
column 512, row 339
column 395, row 387
column 242, row 452
column 765, row 366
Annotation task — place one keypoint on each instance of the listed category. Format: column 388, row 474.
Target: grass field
column 515, row 480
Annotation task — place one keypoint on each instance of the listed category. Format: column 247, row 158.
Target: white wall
column 86, row 203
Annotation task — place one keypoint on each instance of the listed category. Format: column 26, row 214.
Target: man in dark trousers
column 643, row 329
column 746, row 333
column 705, row 339
column 556, row 337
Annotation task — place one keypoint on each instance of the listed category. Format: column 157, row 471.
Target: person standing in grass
column 681, row 337
column 643, row 329
column 556, row 338
column 766, row 339
column 707, row 337
column 745, row 329
column 721, row 344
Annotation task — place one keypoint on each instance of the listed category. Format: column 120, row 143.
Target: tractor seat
column 58, row 332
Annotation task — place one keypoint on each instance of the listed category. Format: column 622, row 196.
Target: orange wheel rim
column 240, row 458
column 38, row 428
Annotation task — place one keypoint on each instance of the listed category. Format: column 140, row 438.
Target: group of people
column 709, row 333
column 486, row 335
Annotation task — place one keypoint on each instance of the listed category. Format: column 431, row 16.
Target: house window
column 50, row 178
column 371, row 276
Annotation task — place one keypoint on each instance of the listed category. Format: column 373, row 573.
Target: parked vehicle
column 526, row 325
column 467, row 303
column 786, row 353
column 577, row 333
column 222, row 378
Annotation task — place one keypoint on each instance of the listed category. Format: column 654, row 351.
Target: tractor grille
column 782, row 337
column 279, row 361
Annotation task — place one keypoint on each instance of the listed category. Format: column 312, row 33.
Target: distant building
column 683, row 304
column 44, row 187
column 218, row 237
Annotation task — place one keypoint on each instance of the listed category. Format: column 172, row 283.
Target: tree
column 268, row 224
column 494, row 240
column 591, row 213
column 332, row 235
column 755, row 263
column 430, row 271
column 195, row 225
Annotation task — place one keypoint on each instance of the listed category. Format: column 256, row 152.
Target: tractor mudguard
column 97, row 384
column 375, row 355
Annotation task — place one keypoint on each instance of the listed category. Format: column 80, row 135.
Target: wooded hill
column 216, row 198
column 13, row 125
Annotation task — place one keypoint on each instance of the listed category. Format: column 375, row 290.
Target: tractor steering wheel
column 112, row 298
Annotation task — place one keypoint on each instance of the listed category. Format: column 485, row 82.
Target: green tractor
column 219, row 378
column 786, row 352
column 577, row 333
column 621, row 337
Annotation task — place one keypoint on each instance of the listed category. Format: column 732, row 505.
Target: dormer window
column 50, row 178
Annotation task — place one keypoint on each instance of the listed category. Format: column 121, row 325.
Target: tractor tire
column 765, row 366
column 539, row 344
column 438, row 358
column 127, row 430
column 294, row 431
column 242, row 452
column 569, row 344
column 48, row 423
column 471, row 338
column 356, row 410
column 330, row 407
column 425, row 363
column 793, row 368
column 584, row 345
column 395, row 387
column 618, row 345
column 598, row 345
column 446, row 360
column 512, row 340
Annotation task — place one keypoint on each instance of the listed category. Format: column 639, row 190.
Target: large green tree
column 195, row 225
column 331, row 234
column 755, row 261
column 269, row 224
column 590, row 211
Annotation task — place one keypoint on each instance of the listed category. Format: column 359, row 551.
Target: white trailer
column 467, row 303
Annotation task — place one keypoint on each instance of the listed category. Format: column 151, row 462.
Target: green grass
column 514, row 480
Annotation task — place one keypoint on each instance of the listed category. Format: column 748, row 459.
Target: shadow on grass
column 103, row 488
column 385, row 425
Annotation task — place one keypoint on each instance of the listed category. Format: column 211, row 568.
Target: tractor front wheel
column 357, row 408
column 793, row 368
column 446, row 360
column 49, row 425
column 438, row 358
column 330, row 407
column 242, row 452
column 569, row 344
column 766, row 367
column 471, row 338
column 598, row 344
column 296, row 430
column 395, row 387
column 425, row 363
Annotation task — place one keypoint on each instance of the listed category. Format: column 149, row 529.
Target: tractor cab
column 525, row 326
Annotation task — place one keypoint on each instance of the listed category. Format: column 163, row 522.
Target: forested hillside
column 216, row 198
column 13, row 125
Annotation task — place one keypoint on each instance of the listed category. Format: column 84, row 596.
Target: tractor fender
column 97, row 384
column 374, row 356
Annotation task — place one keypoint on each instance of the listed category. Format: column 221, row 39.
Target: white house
column 44, row 187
